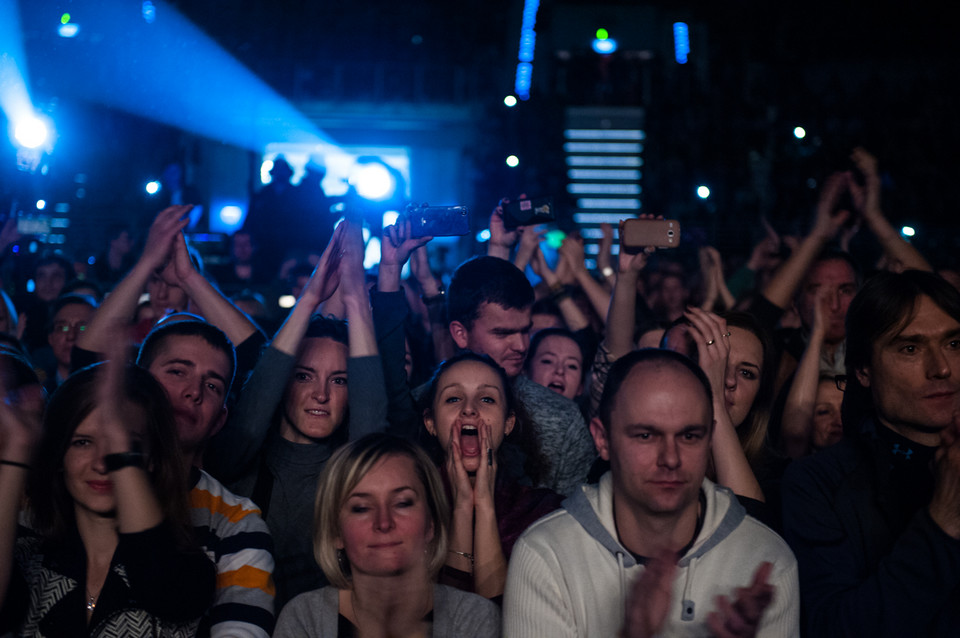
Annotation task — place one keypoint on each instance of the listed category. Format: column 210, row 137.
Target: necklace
column 91, row 602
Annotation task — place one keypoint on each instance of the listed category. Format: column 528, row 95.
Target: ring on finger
column 726, row 334
column 711, row 342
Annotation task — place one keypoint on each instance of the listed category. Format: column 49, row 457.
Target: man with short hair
column 875, row 519
column 654, row 519
column 489, row 309
column 71, row 314
column 195, row 363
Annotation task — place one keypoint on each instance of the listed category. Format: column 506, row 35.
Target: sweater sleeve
column 236, row 538
column 169, row 582
column 367, row 396
column 232, row 452
column 534, row 602
column 390, row 311
column 844, row 595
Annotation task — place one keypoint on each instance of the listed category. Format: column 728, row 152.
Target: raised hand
column 633, row 264
column 397, row 244
column 460, row 487
column 163, row 232
column 486, row 478
column 325, row 278
column 501, row 239
column 828, row 221
column 710, row 334
column 740, row 618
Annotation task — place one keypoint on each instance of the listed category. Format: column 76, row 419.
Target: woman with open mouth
column 476, row 421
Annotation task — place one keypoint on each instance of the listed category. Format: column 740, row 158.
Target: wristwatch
column 120, row 460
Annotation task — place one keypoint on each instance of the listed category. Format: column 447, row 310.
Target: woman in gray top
column 380, row 536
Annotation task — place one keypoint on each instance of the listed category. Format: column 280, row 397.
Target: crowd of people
column 773, row 452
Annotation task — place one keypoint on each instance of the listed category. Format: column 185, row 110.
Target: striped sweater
column 231, row 531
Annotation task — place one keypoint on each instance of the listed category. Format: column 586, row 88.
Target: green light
column 602, row 34
column 555, row 238
column 65, row 18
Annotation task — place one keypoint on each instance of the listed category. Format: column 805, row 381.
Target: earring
column 343, row 561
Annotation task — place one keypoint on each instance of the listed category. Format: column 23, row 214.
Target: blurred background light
column 703, row 192
column 799, row 133
column 152, row 187
column 513, row 161
column 510, row 100
column 373, row 181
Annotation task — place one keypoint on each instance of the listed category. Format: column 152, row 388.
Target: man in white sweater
column 655, row 548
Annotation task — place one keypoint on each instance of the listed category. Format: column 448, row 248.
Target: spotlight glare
column 390, row 218
column 230, row 215
column 510, row 101
column 41, row 204
column 908, row 231
column 483, row 235
column 69, row 30
column 513, row 161
column 605, row 47
column 31, row 132
column 148, row 11
column 152, row 188
column 799, row 133
column 286, row 301
column 373, row 181
column 703, row 192
column 265, row 168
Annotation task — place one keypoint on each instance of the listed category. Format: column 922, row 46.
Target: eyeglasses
column 64, row 327
column 841, row 381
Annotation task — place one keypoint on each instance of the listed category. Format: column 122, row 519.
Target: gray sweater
column 455, row 613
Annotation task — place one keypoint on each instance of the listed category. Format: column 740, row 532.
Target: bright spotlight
column 230, row 215
column 908, row 231
column 286, row 301
column 510, row 101
column 513, row 161
column 371, row 256
column 799, row 133
column 31, row 132
column 483, row 235
column 68, row 30
column 703, row 192
column 373, row 181
column 605, row 47
column 41, row 204
column 152, row 188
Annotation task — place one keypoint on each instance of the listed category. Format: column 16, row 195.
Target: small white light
column 513, row 161
column 483, row 235
column 703, row 192
column 908, row 231
column 287, row 301
column 510, row 100
column 41, row 204
column 799, row 133
column 152, row 188
column 68, row 30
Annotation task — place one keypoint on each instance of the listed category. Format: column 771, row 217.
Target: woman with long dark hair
column 109, row 549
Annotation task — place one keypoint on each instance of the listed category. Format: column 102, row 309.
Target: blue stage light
column 373, row 181
column 41, row 204
column 148, row 11
column 231, row 215
column 799, row 133
column 681, row 42
column 69, row 30
column 703, row 192
column 152, row 188
column 390, row 218
column 483, row 235
column 510, row 101
column 528, row 42
column 513, row 161
column 908, row 231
